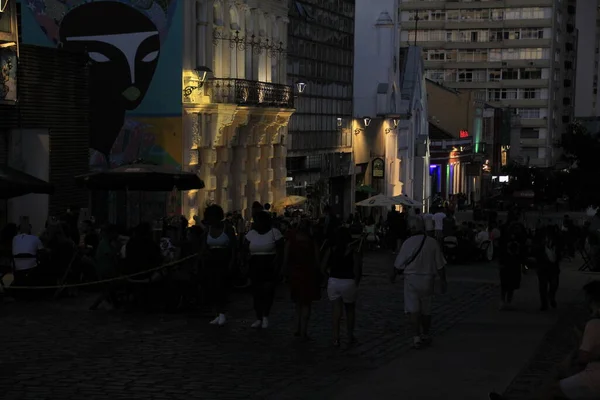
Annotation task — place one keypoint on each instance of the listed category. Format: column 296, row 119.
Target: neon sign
column 464, row 134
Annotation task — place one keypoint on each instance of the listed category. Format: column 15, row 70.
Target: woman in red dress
column 302, row 267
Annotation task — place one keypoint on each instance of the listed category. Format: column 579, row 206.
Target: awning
column 14, row 183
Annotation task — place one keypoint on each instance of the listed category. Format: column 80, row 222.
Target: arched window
column 234, row 19
column 249, row 23
column 262, row 25
column 276, row 35
column 218, row 13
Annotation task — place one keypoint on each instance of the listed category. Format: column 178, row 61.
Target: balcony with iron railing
column 249, row 93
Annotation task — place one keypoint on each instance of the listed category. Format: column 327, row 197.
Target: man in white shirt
column 25, row 247
column 420, row 259
column 438, row 222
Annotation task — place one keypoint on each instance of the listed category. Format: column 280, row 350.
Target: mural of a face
column 124, row 47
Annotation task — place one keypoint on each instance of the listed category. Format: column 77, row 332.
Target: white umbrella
column 378, row 201
column 406, row 201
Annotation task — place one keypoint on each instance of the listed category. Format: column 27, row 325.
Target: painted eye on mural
column 150, row 56
column 98, row 57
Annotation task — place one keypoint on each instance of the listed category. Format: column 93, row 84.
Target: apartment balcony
column 523, row 83
column 249, row 93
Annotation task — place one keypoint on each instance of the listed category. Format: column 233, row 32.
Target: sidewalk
column 481, row 353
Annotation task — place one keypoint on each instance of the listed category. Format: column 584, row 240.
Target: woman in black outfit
column 264, row 245
column 217, row 258
column 512, row 252
column 547, row 251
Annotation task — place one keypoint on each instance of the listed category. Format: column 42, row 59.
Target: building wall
column 54, row 95
column 30, row 153
column 452, row 110
column 588, row 49
column 235, row 125
column 320, row 54
column 135, row 74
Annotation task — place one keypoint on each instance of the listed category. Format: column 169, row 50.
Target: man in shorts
column 420, row 259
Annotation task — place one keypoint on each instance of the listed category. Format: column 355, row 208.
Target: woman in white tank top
column 217, row 258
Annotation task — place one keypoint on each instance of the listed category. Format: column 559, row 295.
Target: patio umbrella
column 14, row 183
column 406, row 201
column 140, row 177
column 289, row 201
column 378, row 201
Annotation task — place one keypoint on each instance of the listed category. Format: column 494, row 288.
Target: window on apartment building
column 502, row 94
column 531, row 54
column 436, row 35
column 511, row 34
column 509, row 94
column 437, row 15
column 475, row 15
column 510, row 54
column 479, row 75
column 497, row 14
column 531, row 73
column 494, row 55
column 495, row 35
column 528, row 94
column 528, row 113
column 436, row 55
column 494, row 75
column 530, row 133
column 494, row 95
column 437, row 75
column 465, row 75
column 512, row 13
column 510, row 73
column 452, row 15
column 532, row 33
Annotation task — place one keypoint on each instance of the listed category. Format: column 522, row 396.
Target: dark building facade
column 321, row 56
column 44, row 118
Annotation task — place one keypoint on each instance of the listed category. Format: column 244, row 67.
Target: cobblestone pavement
column 62, row 351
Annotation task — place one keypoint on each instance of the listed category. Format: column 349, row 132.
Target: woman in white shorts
column 344, row 262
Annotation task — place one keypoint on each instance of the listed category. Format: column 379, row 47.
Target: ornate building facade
column 236, row 102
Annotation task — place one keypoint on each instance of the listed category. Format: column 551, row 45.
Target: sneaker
column 256, row 324
column 417, row 343
column 265, row 323
column 221, row 320
column 215, row 321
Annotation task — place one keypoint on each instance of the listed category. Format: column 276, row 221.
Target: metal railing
column 250, row 93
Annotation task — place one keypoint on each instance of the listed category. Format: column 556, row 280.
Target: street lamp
column 339, row 122
column 201, row 72
column 301, row 86
column 367, row 121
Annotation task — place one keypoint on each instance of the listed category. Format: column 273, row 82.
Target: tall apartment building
column 587, row 98
column 321, row 57
column 516, row 54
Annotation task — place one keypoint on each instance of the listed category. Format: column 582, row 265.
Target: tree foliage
column 581, row 151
